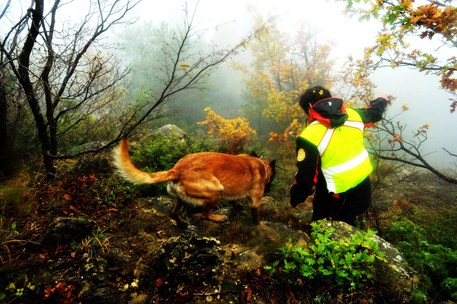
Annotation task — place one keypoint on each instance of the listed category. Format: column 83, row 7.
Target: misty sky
column 234, row 19
column 227, row 22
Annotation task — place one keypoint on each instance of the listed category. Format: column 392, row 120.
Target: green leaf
column 310, row 261
column 307, row 272
column 342, row 273
column 288, row 267
column 327, row 272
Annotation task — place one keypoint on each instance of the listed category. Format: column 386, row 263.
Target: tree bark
column 26, row 83
column 3, row 124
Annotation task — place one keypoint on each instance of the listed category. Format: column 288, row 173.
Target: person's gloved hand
column 297, row 195
column 388, row 98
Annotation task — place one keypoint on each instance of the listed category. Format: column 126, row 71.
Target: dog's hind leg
column 255, row 206
column 236, row 204
column 177, row 213
column 205, row 191
column 208, row 212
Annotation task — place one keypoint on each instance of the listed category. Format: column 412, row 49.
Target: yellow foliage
column 184, row 66
column 385, row 42
column 285, row 64
column 229, row 131
column 435, row 18
column 291, row 132
column 278, row 106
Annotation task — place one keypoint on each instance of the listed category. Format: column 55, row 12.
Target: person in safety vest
column 332, row 161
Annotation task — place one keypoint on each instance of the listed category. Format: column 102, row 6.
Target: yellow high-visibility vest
column 345, row 161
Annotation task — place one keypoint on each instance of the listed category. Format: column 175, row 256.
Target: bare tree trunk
column 26, row 83
column 71, row 85
column 3, row 124
column 50, row 106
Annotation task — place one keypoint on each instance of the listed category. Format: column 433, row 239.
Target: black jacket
column 331, row 113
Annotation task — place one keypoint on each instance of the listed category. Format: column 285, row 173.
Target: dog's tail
column 128, row 171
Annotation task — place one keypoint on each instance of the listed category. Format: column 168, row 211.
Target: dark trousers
column 344, row 206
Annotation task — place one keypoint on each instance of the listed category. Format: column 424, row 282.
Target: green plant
column 161, row 153
column 449, row 287
column 438, row 226
column 95, row 244
column 435, row 263
column 418, row 296
column 8, row 234
column 87, row 190
column 157, row 154
column 348, row 264
column 17, row 289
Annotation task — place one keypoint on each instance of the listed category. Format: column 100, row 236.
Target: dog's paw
column 214, row 217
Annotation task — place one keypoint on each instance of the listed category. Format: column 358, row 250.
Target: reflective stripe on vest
column 342, row 171
column 331, row 172
column 328, row 134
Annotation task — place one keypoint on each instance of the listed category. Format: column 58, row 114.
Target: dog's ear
column 273, row 164
column 253, row 154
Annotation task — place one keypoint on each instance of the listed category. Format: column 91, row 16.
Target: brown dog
column 204, row 179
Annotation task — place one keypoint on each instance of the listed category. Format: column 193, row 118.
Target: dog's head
column 270, row 168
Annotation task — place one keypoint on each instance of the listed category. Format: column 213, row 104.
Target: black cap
column 313, row 95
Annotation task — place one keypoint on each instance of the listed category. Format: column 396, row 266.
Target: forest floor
column 112, row 261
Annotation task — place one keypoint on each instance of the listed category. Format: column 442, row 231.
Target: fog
column 227, row 22
column 427, row 103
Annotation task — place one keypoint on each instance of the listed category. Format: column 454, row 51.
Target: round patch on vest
column 301, row 155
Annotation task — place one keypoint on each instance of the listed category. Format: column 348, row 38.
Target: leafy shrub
column 161, row 153
column 435, row 263
column 449, row 286
column 233, row 133
column 84, row 191
column 348, row 264
column 439, row 227
column 82, row 188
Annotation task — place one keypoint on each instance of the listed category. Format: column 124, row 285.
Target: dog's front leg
column 255, row 215
column 255, row 206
